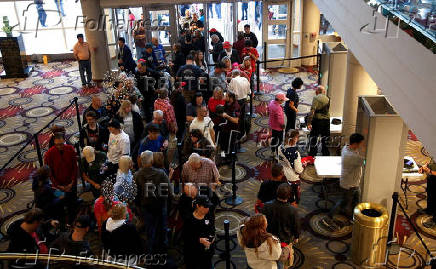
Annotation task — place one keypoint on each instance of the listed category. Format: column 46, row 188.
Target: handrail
column 396, row 201
column 288, row 59
column 66, row 258
column 74, row 101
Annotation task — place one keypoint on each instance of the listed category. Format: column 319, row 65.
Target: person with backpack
column 318, row 122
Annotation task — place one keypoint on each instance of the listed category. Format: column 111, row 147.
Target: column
column 310, row 30
column 96, row 37
column 358, row 82
column 337, row 74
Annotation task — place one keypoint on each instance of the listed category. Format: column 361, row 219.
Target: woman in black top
column 179, row 58
column 292, row 104
column 199, row 236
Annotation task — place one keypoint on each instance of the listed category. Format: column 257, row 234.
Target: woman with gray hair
column 132, row 122
column 217, row 48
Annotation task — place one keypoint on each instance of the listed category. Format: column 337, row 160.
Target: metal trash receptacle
column 370, row 231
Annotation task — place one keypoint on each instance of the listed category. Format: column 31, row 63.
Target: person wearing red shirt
column 245, row 68
column 252, row 52
column 62, row 160
column 216, row 100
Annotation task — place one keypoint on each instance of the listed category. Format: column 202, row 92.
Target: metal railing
column 395, row 202
column 66, row 259
column 35, row 135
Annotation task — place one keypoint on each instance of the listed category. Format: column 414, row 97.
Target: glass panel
column 221, row 18
column 113, row 57
column 39, row 45
column 277, row 31
column 278, row 12
column 160, row 18
column 251, row 13
column 164, row 37
column 276, row 51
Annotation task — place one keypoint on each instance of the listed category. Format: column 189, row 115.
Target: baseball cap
column 281, row 97
column 148, row 46
column 213, row 30
column 227, row 45
column 82, row 221
column 154, row 128
column 203, row 201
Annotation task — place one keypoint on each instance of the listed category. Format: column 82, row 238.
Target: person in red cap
column 276, row 121
column 213, row 31
column 230, row 52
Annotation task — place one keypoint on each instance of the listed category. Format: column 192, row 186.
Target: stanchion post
column 227, row 243
column 234, row 200
column 38, row 150
column 257, row 77
column 77, row 146
column 79, row 123
column 393, row 216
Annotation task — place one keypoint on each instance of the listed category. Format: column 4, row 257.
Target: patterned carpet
column 26, row 105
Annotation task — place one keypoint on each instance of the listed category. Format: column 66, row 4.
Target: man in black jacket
column 191, row 75
column 248, row 35
column 147, row 79
column 93, row 134
column 125, row 59
column 151, row 203
column 282, row 217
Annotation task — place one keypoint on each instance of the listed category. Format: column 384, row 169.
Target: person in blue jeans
column 60, row 7
column 244, row 10
column 42, row 16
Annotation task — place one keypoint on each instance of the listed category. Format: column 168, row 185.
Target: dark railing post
column 264, row 54
column 393, row 217
column 38, row 149
column 227, row 243
column 79, row 123
column 234, row 199
column 258, row 77
column 77, row 146
column 319, row 60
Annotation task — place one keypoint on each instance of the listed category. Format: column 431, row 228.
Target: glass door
column 160, row 22
column 276, row 34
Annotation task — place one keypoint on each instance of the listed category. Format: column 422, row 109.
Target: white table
column 328, row 166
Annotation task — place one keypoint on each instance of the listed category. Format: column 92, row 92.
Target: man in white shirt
column 118, row 145
column 351, row 173
column 240, row 86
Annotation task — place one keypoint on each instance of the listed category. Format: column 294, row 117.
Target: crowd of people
column 126, row 163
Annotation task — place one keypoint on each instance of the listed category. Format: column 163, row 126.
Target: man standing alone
column 83, row 56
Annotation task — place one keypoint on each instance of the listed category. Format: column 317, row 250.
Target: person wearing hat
column 83, row 56
column 125, row 59
column 118, row 145
column 276, row 121
column 74, row 243
column 91, row 164
column 230, row 52
column 199, row 235
column 150, row 57
column 214, row 31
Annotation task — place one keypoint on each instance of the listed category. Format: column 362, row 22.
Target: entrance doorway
column 276, row 32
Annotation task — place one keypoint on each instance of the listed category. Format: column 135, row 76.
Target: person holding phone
column 199, row 235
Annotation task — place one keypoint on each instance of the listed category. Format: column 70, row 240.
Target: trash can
column 370, row 231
